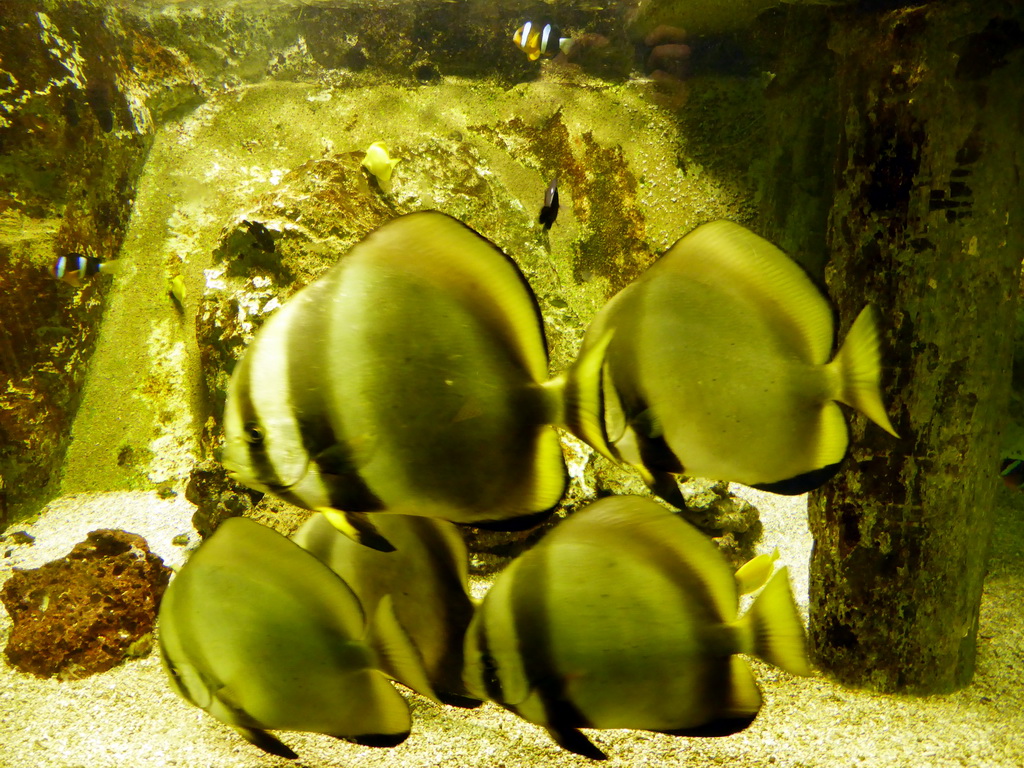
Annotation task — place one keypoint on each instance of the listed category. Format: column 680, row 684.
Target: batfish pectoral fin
column 358, row 527
column 665, row 485
column 572, row 740
column 269, row 744
column 398, row 655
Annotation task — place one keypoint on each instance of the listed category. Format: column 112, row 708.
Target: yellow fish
column 410, row 378
column 719, row 364
column 379, row 162
column 263, row 636
column 625, row 616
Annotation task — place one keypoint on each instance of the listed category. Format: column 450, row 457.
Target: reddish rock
column 87, row 612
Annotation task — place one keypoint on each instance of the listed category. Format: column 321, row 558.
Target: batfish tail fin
column 859, row 364
column 776, row 627
column 584, row 399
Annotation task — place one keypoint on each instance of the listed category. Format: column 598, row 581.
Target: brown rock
column 87, row 612
column 217, row 497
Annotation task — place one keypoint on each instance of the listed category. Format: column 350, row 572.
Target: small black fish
column 74, row 267
column 260, row 234
column 549, row 212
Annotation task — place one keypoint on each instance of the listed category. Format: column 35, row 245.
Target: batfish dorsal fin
column 726, row 253
column 447, row 253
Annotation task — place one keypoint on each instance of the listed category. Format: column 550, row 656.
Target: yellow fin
column 548, row 478
column 474, row 270
column 743, row 698
column 778, row 630
column 753, row 574
column 358, row 527
column 859, row 367
column 584, row 406
column 399, row 657
column 833, row 437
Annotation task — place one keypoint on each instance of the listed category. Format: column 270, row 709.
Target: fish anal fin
column 358, row 527
column 859, row 365
column 269, row 744
column 794, row 486
column 743, row 699
column 778, row 630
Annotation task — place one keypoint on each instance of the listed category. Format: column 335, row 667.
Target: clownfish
column 536, row 40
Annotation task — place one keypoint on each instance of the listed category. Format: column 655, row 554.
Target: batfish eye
column 253, row 433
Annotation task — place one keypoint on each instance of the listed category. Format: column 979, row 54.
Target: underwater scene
column 492, row 383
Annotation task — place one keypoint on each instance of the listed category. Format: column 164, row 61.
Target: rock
column 217, row 497
column 733, row 523
column 87, row 612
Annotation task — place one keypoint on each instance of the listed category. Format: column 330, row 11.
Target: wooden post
column 926, row 225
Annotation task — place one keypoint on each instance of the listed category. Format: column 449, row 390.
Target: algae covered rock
column 88, row 611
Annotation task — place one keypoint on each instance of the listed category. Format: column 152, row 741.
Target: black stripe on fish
column 330, row 453
column 259, row 457
column 724, row 726
column 489, row 667
column 457, row 610
column 699, row 605
column 532, row 620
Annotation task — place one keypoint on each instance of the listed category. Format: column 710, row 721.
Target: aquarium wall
column 173, row 174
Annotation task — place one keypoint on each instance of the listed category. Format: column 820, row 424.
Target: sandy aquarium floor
column 130, row 717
